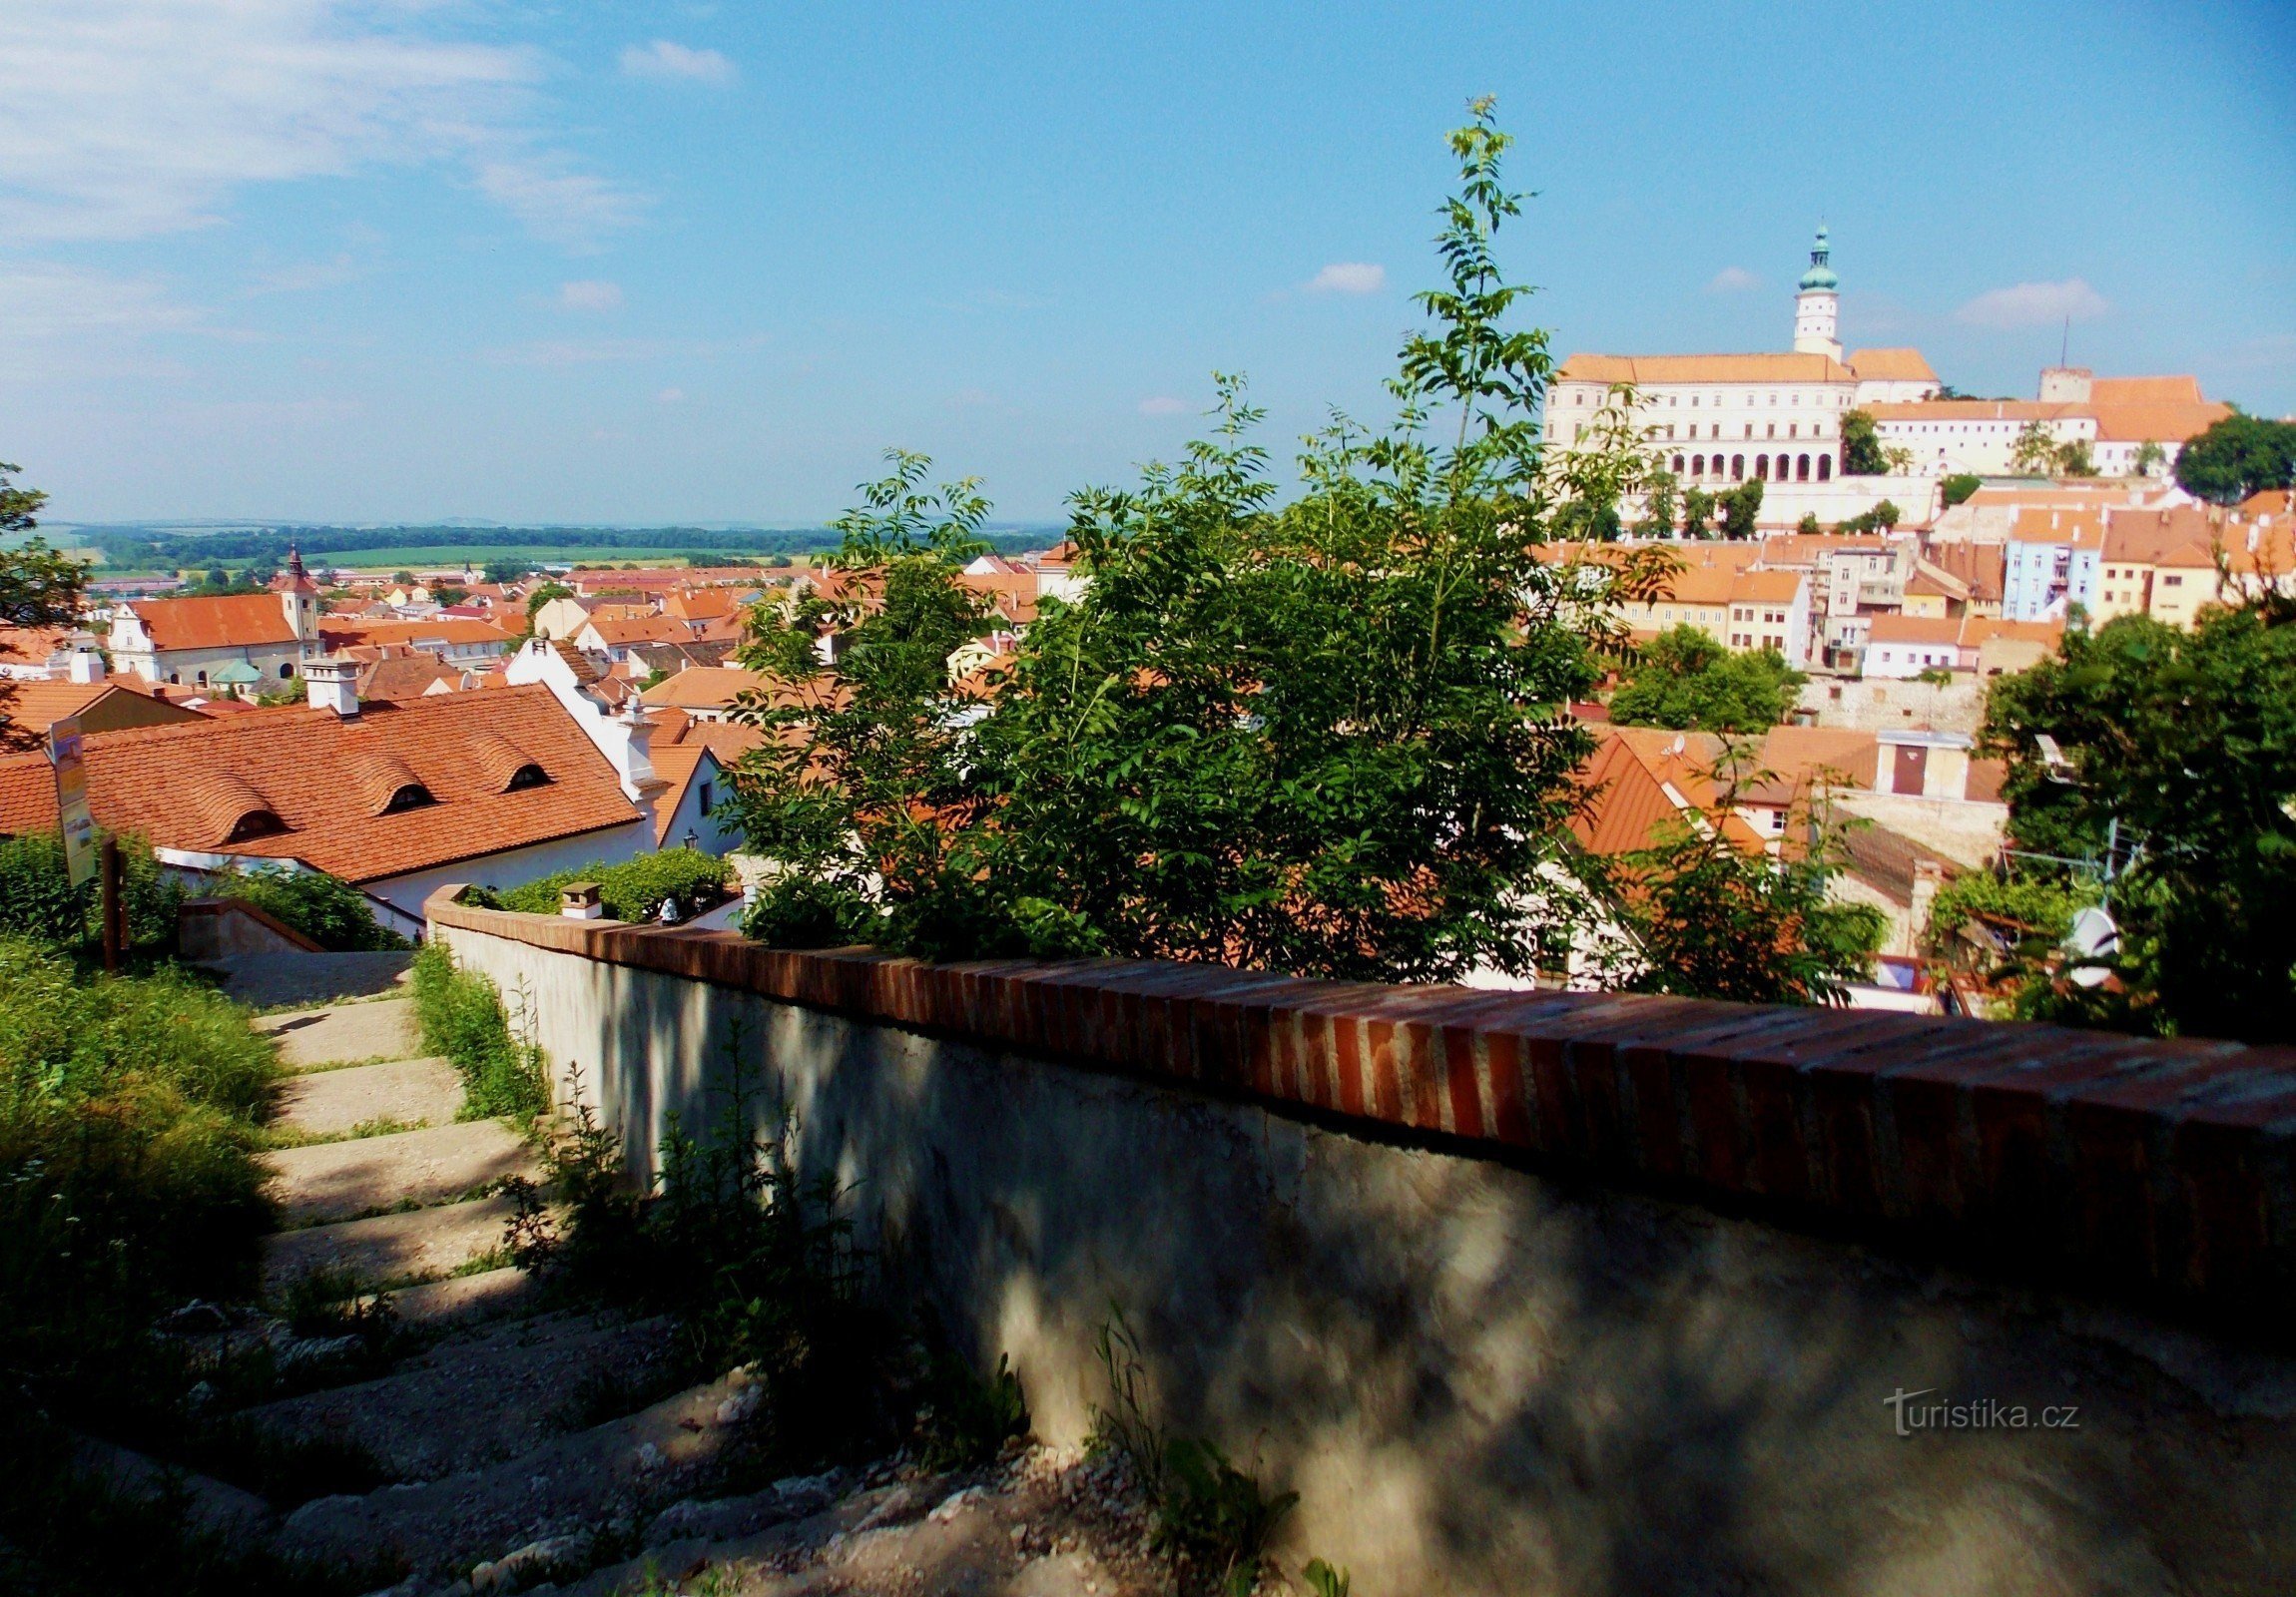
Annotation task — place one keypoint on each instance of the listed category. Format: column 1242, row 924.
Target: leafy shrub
column 327, row 910
column 38, row 900
column 795, row 911
column 129, row 1141
column 632, row 890
column 462, row 1018
column 758, row 1267
column 966, row 1419
column 1213, row 1518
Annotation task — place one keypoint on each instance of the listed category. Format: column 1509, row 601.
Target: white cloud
column 1733, row 279
column 1349, row 277
column 578, row 351
column 303, row 276
column 2034, row 305
column 664, row 61
column 568, row 207
column 671, row 396
column 1163, row 404
column 124, row 119
column 590, row 295
column 39, row 300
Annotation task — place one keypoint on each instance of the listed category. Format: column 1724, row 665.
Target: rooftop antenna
column 2064, row 343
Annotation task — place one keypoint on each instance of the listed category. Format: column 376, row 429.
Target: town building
column 189, row 640
column 1717, row 421
column 2114, row 417
column 395, row 797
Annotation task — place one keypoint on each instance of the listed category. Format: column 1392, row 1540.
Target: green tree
column 1740, row 506
column 39, row 586
column 1660, row 494
column 2037, row 450
column 2179, row 777
column 2149, row 458
column 1709, row 918
column 1685, row 679
column 544, row 594
column 1881, row 518
column 1697, row 514
column 2238, row 457
column 1320, row 736
column 1862, row 452
column 1958, row 487
column 1808, row 526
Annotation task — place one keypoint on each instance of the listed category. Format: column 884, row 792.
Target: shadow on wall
column 1480, row 1379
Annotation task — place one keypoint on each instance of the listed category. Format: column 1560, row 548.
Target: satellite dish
column 2094, row 940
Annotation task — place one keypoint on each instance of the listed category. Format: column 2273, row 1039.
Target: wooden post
column 115, row 919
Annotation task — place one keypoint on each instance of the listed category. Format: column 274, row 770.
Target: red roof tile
column 324, row 779
column 231, row 622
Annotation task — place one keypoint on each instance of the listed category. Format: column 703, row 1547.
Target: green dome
column 1820, row 275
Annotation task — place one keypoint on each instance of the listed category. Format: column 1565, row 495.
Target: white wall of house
column 513, row 866
column 703, row 811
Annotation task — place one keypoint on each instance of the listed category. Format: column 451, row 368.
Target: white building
column 2116, row 417
column 188, row 640
column 1718, row 420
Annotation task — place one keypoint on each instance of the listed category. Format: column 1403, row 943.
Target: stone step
column 342, row 1180
column 412, row 1091
column 465, row 1300
column 267, row 981
column 422, row 1244
column 488, row 1396
column 440, row 1528
column 312, row 1039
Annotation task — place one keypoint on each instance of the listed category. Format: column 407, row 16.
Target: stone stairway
column 382, row 1181
column 523, row 1447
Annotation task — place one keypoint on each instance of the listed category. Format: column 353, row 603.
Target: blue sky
column 602, row 262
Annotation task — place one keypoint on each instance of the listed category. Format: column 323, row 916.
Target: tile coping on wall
column 2162, row 1168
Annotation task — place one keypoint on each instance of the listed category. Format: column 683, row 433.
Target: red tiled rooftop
column 327, row 783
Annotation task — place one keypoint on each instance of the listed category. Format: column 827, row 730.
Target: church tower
column 1817, row 308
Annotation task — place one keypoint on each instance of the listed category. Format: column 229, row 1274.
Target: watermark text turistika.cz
column 1912, row 1416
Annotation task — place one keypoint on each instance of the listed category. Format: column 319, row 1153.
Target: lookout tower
column 1817, row 307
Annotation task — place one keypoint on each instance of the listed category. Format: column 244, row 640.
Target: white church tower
column 1817, row 308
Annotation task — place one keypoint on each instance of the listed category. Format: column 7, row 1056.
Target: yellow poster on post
column 72, row 800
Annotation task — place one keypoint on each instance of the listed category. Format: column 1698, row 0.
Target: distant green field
column 392, row 557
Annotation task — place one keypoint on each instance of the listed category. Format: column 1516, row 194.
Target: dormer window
column 254, row 823
column 413, row 795
column 527, row 776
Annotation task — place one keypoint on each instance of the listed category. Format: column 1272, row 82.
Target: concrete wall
column 1485, row 1374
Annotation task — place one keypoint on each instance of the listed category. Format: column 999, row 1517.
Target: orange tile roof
column 2156, row 422
column 678, row 765
column 1627, row 780
column 1765, row 587
column 1642, row 370
column 234, row 620
column 617, row 631
column 1972, row 410
column 2177, row 391
column 29, row 707
column 1983, row 566
column 698, row 605
column 403, row 677
column 2083, row 529
column 1891, row 365
column 1805, row 549
column 2147, row 537
column 728, row 740
column 704, row 686
column 326, row 782
column 31, row 646
column 1889, row 628
column 337, row 632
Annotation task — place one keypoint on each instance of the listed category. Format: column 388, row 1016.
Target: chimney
column 328, row 684
column 87, row 661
